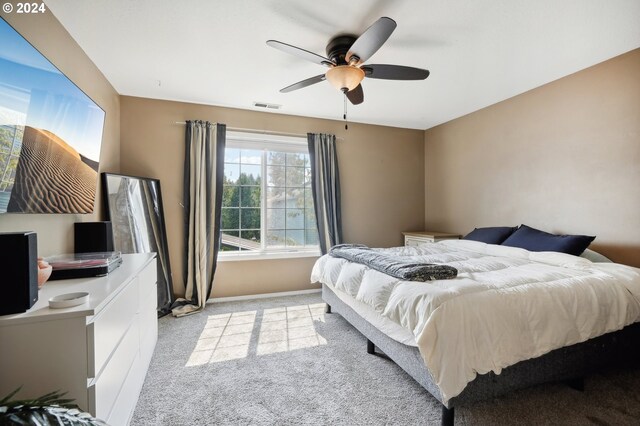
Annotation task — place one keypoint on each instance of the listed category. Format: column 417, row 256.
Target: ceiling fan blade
column 394, row 72
column 303, row 83
column 301, row 53
column 356, row 96
column 371, row 40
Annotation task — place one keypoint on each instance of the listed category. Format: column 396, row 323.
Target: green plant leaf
column 50, row 409
column 8, row 397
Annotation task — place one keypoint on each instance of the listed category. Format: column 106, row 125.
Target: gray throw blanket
column 393, row 265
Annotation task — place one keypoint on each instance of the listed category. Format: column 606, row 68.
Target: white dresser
column 98, row 352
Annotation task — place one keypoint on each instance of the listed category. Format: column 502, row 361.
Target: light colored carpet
column 282, row 361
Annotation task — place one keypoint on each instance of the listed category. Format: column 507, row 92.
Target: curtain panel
column 325, row 187
column 203, row 178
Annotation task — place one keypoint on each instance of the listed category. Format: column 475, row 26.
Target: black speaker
column 93, row 237
column 19, row 269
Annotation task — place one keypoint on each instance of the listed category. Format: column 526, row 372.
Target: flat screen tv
column 50, row 134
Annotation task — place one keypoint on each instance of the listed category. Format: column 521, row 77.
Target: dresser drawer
column 127, row 399
column 104, row 391
column 148, row 345
column 412, row 241
column 148, row 313
column 107, row 329
column 148, row 278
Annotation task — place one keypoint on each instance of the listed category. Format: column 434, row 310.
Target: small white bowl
column 68, row 300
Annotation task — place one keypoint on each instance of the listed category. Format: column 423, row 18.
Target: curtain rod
column 263, row 132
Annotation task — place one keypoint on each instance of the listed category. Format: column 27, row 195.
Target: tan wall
column 564, row 157
column 381, row 170
column 55, row 232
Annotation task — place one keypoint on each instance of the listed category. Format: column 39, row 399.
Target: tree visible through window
column 267, row 203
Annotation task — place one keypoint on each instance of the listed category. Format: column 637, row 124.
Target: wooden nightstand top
column 430, row 234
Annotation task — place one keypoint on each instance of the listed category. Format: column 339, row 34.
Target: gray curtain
column 325, row 187
column 203, row 177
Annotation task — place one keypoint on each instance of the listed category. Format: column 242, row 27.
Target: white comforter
column 506, row 305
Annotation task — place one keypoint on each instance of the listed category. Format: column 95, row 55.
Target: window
column 267, row 205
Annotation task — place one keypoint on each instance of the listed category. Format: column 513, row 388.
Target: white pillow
column 594, row 256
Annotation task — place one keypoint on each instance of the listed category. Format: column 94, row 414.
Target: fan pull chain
column 346, row 124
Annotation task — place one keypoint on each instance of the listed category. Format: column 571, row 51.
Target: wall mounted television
column 50, row 134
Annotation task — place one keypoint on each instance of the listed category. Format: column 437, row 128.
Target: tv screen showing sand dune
column 50, row 134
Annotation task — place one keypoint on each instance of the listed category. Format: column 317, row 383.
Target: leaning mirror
column 134, row 207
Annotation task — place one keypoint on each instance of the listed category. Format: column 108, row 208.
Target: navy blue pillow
column 492, row 235
column 535, row 240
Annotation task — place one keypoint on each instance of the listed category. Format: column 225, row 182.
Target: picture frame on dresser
column 134, row 206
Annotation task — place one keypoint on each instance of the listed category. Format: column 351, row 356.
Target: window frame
column 266, row 143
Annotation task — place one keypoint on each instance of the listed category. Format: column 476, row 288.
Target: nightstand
column 418, row 237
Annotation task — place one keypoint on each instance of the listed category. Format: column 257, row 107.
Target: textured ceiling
column 478, row 52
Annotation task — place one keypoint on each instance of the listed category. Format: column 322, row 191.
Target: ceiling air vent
column 266, row 105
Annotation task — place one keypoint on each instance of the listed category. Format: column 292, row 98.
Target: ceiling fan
column 346, row 57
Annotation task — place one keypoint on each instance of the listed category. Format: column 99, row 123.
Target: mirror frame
column 164, row 264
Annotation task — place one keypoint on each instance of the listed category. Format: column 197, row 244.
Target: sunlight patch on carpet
column 289, row 328
column 239, row 335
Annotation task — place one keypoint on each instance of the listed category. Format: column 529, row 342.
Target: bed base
column 570, row 364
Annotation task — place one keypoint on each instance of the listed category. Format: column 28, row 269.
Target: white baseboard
column 263, row 296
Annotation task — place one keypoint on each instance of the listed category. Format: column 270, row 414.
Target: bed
column 510, row 319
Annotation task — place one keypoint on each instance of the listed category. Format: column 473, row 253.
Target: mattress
column 506, row 305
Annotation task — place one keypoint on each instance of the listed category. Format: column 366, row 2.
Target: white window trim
column 260, row 141
column 232, row 256
column 263, row 142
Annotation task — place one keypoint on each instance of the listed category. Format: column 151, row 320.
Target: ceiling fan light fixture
column 345, row 77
